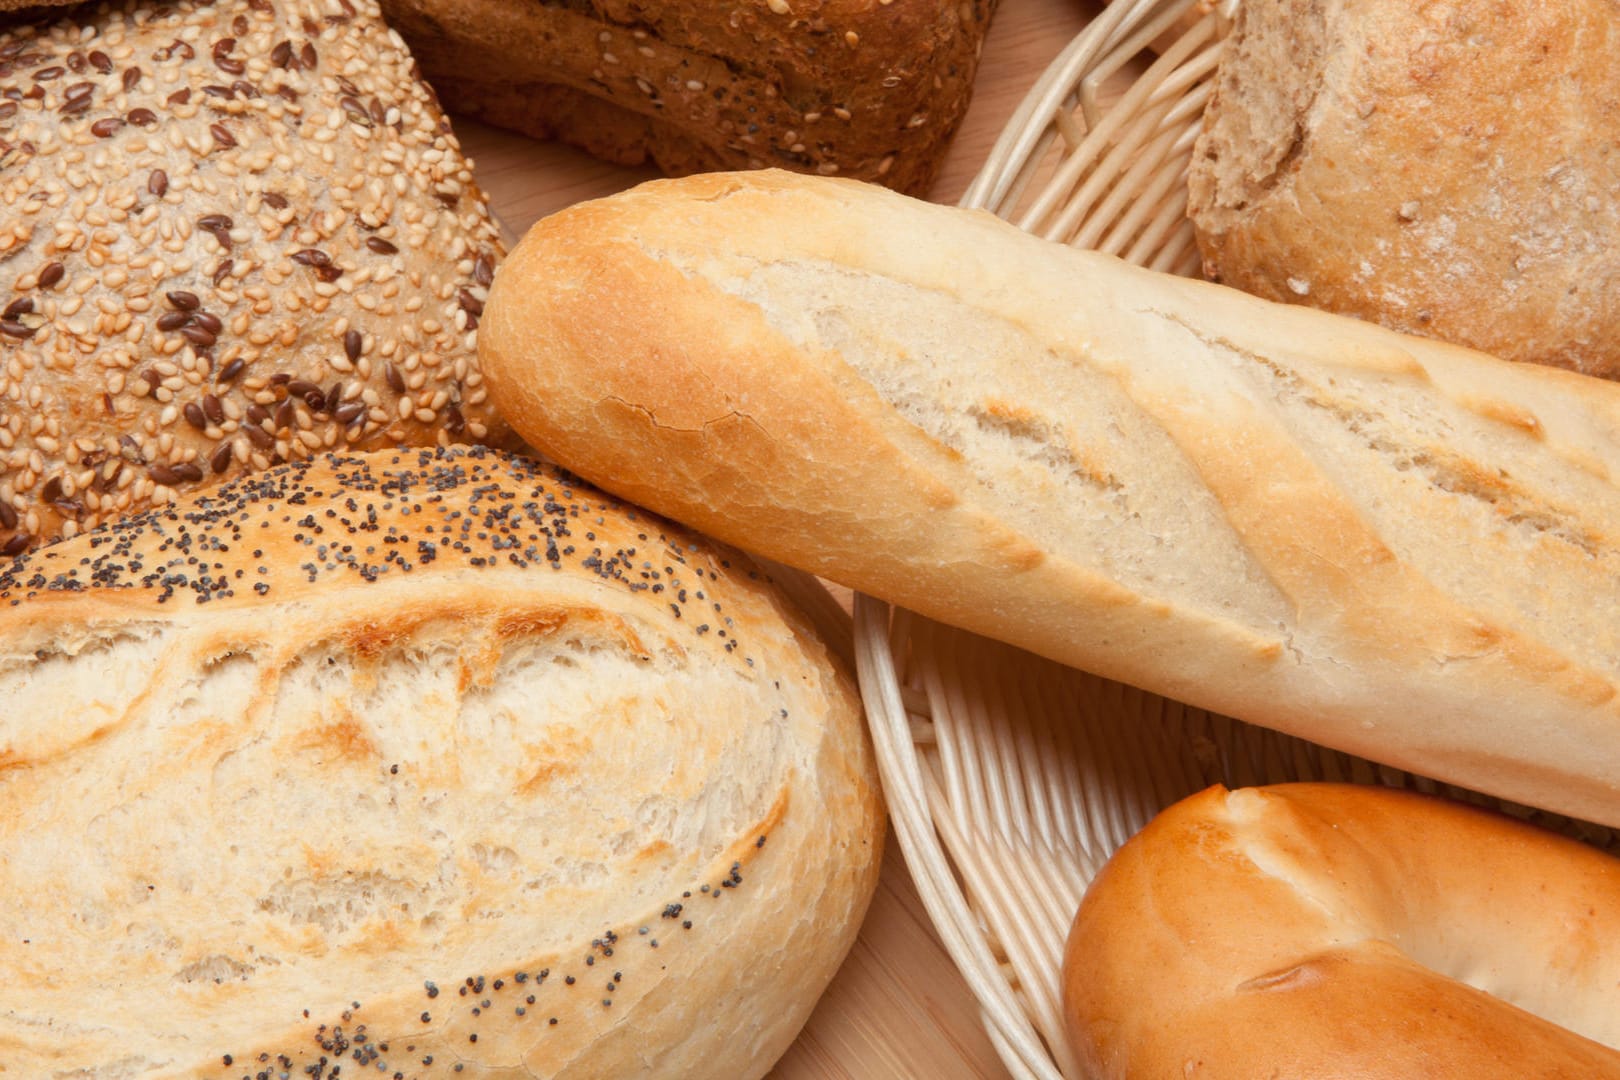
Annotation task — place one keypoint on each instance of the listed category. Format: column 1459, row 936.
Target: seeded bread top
column 235, row 233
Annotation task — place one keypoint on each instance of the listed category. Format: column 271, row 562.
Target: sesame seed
column 228, row 84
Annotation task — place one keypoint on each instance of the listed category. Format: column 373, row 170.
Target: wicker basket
column 1010, row 779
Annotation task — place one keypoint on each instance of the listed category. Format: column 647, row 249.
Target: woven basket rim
column 1011, row 779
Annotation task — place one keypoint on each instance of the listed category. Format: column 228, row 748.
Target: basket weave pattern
column 1011, row 779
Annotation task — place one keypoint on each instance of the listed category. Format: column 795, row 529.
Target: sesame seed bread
column 872, row 91
column 1451, row 170
column 1390, row 545
column 422, row 763
column 234, row 233
column 1318, row 931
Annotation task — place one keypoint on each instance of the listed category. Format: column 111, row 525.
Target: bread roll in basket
column 1010, row 778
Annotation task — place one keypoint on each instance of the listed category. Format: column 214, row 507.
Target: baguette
column 422, row 764
column 1390, row 545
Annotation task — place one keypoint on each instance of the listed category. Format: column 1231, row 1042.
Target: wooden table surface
column 898, row 1008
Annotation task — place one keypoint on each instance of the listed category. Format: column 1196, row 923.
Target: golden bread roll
column 234, row 233
column 1393, row 546
column 419, row 763
column 1320, row 931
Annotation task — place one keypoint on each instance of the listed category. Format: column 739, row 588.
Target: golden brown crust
column 432, row 761
column 1320, row 931
column 871, row 91
column 1442, row 169
column 234, row 234
column 1299, row 519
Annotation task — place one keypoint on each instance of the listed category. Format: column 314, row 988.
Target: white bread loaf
column 1396, row 547
column 1317, row 931
column 417, row 764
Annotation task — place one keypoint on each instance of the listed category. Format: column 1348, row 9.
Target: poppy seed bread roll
column 234, row 234
column 1390, row 545
column 419, row 763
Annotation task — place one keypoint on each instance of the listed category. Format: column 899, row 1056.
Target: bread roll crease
column 1337, row 930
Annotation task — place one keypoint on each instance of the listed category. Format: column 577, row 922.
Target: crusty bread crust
column 1447, row 170
column 1389, row 545
column 421, row 763
column 872, row 91
column 233, row 234
column 1316, row 931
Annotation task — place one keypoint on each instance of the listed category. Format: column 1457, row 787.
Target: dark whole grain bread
column 232, row 233
column 853, row 88
column 17, row 12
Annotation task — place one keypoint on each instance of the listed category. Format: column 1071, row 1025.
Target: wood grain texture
column 898, row 1007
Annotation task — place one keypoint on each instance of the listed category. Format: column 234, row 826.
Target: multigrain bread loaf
column 421, row 763
column 862, row 89
column 1451, row 170
column 233, row 233
column 1316, row 931
column 1397, row 547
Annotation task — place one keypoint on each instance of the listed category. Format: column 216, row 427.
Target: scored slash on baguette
column 431, row 763
column 1392, row 546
